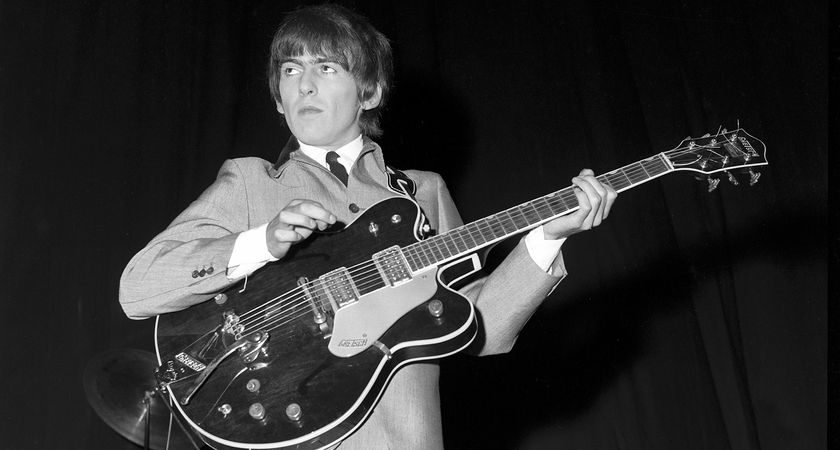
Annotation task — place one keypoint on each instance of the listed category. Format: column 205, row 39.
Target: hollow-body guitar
column 298, row 357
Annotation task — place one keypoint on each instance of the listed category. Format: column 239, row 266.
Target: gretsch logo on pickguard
column 352, row 343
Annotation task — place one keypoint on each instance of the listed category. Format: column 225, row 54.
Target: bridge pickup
column 392, row 265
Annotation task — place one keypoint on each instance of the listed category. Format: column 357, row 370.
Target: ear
column 280, row 107
column 374, row 99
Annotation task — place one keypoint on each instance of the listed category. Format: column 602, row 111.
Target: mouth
column 309, row 110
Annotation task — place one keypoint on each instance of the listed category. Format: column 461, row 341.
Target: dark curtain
column 689, row 320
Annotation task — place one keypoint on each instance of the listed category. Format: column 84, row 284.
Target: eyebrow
column 318, row 60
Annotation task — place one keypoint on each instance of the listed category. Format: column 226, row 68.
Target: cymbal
column 116, row 382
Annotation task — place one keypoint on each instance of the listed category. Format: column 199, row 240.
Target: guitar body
column 385, row 329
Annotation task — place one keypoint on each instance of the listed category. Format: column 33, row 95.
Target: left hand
column 595, row 200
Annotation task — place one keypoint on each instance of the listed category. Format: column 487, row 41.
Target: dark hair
column 337, row 33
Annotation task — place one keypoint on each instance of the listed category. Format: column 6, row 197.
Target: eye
column 289, row 71
column 325, row 68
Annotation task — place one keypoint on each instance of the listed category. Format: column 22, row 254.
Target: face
column 319, row 99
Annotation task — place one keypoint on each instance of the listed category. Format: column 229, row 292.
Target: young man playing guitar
column 329, row 74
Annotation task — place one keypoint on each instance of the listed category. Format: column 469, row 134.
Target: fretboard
column 484, row 232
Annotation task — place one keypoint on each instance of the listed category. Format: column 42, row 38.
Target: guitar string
column 614, row 178
column 365, row 282
column 289, row 317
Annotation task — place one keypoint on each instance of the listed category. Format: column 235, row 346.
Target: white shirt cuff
column 249, row 253
column 543, row 251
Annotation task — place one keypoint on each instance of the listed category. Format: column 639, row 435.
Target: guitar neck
column 484, row 232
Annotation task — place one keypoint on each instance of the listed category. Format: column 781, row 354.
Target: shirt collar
column 347, row 154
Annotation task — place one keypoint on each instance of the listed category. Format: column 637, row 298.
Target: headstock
column 723, row 152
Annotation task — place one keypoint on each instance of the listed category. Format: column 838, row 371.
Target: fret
column 567, row 196
column 442, row 252
column 508, row 224
column 432, row 250
column 468, row 233
column 484, row 230
column 424, row 255
column 475, row 233
column 459, row 233
column 446, row 240
column 543, row 208
column 414, row 262
column 629, row 182
column 519, row 219
column 496, row 228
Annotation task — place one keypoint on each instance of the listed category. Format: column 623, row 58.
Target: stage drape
column 689, row 320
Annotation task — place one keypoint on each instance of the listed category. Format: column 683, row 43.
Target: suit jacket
column 187, row 263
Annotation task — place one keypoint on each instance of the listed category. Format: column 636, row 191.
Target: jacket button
column 354, row 208
column 195, row 274
column 210, row 270
column 202, row 272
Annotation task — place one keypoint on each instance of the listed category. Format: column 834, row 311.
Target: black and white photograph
column 362, row 225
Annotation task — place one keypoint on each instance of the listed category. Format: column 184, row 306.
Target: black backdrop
column 690, row 320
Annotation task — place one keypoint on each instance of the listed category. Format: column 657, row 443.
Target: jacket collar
column 290, row 152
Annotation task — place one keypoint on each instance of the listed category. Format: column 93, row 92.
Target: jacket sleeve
column 187, row 263
column 507, row 297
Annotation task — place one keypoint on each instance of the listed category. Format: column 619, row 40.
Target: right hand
column 294, row 223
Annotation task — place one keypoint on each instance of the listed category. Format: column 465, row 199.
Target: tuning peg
column 754, row 176
column 732, row 178
column 713, row 183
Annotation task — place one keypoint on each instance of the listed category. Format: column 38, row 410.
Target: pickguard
column 359, row 325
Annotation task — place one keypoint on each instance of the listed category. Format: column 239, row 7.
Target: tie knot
column 336, row 167
column 332, row 157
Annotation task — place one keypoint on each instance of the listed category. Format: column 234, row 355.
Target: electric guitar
column 298, row 355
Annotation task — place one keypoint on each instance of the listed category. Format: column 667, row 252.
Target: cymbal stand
column 161, row 392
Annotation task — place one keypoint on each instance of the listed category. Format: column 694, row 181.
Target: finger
column 287, row 236
column 323, row 225
column 611, row 196
column 593, row 200
column 303, row 232
column 582, row 216
column 601, row 191
column 289, row 219
column 315, row 211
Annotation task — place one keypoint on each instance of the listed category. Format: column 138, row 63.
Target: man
column 329, row 74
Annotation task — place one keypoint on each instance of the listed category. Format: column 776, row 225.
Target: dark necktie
column 336, row 167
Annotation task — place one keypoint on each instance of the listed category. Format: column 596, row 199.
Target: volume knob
column 257, row 411
column 293, row 411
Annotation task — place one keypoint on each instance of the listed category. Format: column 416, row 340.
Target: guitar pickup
column 392, row 266
column 339, row 287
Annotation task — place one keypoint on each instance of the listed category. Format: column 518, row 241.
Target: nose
column 307, row 84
